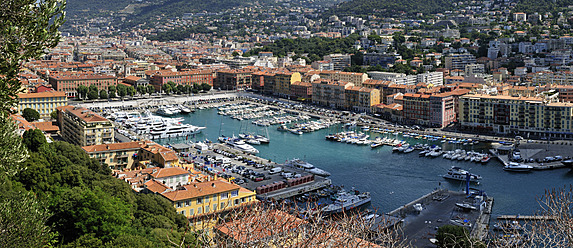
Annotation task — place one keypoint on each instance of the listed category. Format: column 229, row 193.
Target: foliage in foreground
column 84, row 205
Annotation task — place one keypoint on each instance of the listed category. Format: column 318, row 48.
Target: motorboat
column 165, row 111
column 457, row 173
column 517, row 167
column 347, row 201
column 568, row 162
column 185, row 110
column 238, row 144
column 297, row 163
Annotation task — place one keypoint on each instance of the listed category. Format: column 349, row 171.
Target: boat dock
column 537, row 152
column 286, row 190
column 526, row 217
column 422, row 217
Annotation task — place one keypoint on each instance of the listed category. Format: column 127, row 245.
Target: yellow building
column 200, row 202
column 83, row 127
column 361, row 99
column 44, row 102
column 516, row 115
column 117, row 156
column 282, row 82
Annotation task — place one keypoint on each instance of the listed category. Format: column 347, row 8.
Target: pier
column 422, row 217
column 526, row 217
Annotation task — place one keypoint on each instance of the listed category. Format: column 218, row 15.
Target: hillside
column 391, row 7
column 542, row 6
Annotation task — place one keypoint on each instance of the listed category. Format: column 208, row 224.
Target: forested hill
column 542, row 6
column 391, row 7
column 144, row 11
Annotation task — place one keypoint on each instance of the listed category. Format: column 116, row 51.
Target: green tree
column 141, row 89
column 30, row 114
column 167, row 88
column 54, row 115
column 23, row 221
column 111, row 90
column 150, row 89
column 131, row 90
column 93, row 94
column 93, row 88
column 34, row 139
column 28, row 28
column 82, row 91
column 12, row 150
column 121, row 90
column 103, row 94
column 235, row 54
column 206, row 87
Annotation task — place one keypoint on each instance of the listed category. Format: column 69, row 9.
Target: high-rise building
column 83, row 127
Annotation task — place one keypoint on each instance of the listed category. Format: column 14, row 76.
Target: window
column 236, row 201
column 178, row 204
column 234, row 193
column 199, row 210
column 187, row 203
column 215, row 197
column 191, row 211
column 206, row 199
column 214, row 207
column 183, row 212
column 207, row 209
column 199, row 200
column 222, row 205
column 224, row 196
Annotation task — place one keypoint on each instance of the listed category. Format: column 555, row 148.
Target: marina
column 391, row 178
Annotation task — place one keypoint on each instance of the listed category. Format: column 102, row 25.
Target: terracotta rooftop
column 116, row 146
column 42, row 94
column 169, row 172
column 194, row 190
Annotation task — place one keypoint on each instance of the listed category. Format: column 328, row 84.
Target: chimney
column 213, row 185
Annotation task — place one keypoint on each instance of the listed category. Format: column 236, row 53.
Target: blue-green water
column 393, row 179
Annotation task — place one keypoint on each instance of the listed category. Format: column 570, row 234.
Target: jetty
column 422, row 217
column 526, row 217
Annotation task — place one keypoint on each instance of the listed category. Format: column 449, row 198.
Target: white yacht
column 517, row 167
column 239, row 144
column 170, row 130
column 457, row 173
column 297, row 163
column 165, row 111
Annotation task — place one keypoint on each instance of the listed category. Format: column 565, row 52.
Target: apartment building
column 355, row 78
column 517, row 115
column 233, row 79
column 301, row 90
column 436, row 110
column 44, row 102
column 188, row 77
column 69, row 82
column 201, row 202
column 330, row 93
column 282, row 82
column 459, row 61
column 339, row 61
column 361, row 99
column 83, row 127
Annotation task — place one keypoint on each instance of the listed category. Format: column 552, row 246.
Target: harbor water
column 393, row 179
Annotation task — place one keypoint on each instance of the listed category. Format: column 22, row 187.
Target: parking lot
column 245, row 170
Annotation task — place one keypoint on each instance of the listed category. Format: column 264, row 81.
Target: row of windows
column 212, row 208
column 43, row 99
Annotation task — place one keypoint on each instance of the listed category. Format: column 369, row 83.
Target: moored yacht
column 457, row 173
column 517, row 167
column 297, row 163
